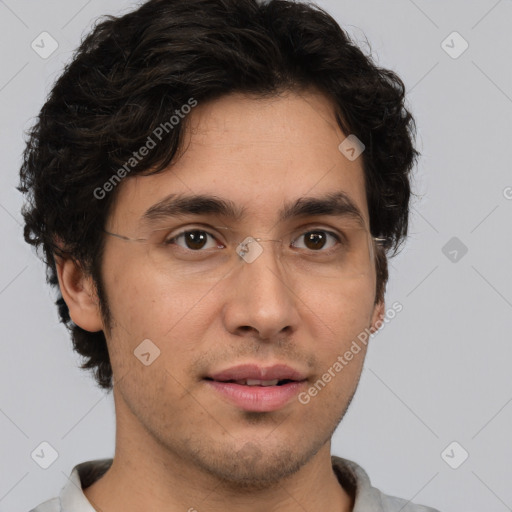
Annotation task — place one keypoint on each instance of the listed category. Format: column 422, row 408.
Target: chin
column 257, row 465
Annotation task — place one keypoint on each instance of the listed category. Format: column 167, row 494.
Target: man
column 216, row 185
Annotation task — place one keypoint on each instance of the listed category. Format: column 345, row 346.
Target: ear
column 378, row 316
column 79, row 293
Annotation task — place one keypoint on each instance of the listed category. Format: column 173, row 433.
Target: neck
column 148, row 476
column 150, row 484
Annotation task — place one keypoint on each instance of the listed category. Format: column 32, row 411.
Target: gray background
column 438, row 373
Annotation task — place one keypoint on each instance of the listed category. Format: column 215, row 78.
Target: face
column 258, row 154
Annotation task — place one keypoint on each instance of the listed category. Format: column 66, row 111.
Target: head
column 245, row 103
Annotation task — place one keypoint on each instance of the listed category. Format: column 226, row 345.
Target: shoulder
column 393, row 504
column 71, row 496
column 368, row 498
column 52, row 505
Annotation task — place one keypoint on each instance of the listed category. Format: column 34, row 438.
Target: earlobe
column 79, row 293
column 378, row 316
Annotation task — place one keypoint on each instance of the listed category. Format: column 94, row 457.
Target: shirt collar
column 356, row 482
column 72, row 497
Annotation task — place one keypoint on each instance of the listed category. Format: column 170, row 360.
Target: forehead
column 257, row 153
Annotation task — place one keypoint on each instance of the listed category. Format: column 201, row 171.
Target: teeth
column 255, row 382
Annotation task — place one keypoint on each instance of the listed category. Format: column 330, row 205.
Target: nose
column 260, row 296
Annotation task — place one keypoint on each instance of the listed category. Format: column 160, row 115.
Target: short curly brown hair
column 131, row 73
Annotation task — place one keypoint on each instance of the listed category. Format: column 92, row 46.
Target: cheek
column 343, row 310
column 339, row 324
column 143, row 298
column 146, row 305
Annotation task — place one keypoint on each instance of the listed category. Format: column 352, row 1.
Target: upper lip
column 256, row 372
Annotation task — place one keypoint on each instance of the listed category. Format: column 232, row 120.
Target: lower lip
column 258, row 398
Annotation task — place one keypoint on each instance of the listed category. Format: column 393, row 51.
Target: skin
column 179, row 445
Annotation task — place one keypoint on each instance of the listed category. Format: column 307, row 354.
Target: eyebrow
column 335, row 204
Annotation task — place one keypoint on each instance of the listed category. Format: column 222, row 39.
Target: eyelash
column 171, row 241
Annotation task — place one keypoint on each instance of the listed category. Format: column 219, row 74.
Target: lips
column 252, row 372
column 256, row 388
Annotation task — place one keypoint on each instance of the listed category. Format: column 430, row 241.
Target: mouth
column 255, row 382
column 257, row 389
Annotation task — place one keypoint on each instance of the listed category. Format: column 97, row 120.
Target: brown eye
column 194, row 240
column 316, row 240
